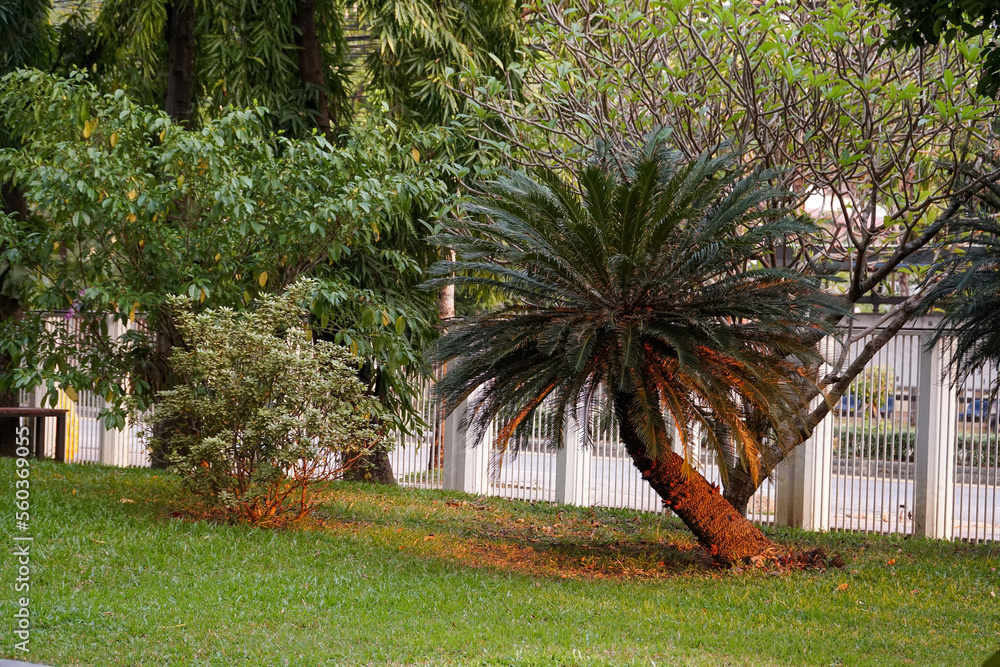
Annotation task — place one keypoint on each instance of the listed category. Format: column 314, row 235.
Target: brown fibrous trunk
column 727, row 534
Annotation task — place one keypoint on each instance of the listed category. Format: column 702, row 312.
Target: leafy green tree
column 196, row 59
column 420, row 43
column 138, row 208
column 25, row 33
column 647, row 285
column 873, row 388
column 878, row 136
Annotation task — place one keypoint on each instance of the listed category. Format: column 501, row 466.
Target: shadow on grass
column 538, row 539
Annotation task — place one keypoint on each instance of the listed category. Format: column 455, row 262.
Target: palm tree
column 969, row 293
column 639, row 281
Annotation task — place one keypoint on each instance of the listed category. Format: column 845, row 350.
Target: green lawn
column 406, row 577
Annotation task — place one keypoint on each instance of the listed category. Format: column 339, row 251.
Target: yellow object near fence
column 72, row 426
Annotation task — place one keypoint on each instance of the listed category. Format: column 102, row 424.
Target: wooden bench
column 39, row 415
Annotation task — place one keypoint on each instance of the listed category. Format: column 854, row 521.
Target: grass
column 401, row 577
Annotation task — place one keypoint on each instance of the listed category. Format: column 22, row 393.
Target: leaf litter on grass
column 543, row 539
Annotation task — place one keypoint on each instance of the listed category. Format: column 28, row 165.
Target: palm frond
column 647, row 284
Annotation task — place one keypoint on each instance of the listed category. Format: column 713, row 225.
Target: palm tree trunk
column 446, row 312
column 727, row 534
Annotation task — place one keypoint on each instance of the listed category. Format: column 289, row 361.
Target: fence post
column 676, row 442
column 466, row 467
column 573, row 464
column 36, row 397
column 802, row 495
column 113, row 444
column 107, row 446
column 934, row 457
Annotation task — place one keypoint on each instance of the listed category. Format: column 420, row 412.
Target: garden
column 261, row 237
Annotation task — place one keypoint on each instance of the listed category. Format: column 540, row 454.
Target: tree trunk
column 179, row 105
column 159, row 376
column 310, row 53
column 373, row 467
column 179, row 100
column 446, row 301
column 727, row 534
column 739, row 492
column 446, row 311
column 10, row 309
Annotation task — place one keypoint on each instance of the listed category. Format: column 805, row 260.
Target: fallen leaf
column 842, row 587
column 126, row 500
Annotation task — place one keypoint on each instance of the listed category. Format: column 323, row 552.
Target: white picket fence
column 919, row 457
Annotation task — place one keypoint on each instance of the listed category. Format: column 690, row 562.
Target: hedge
column 899, row 445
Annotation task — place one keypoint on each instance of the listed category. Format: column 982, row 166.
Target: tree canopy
column 919, row 23
column 136, row 207
column 881, row 138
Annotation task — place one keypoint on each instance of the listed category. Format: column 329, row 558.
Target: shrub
column 263, row 413
column 900, row 444
column 861, row 442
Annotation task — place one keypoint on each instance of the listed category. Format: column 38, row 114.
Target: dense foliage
column 421, row 43
column 132, row 207
column 243, row 54
column 262, row 413
column 931, row 22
